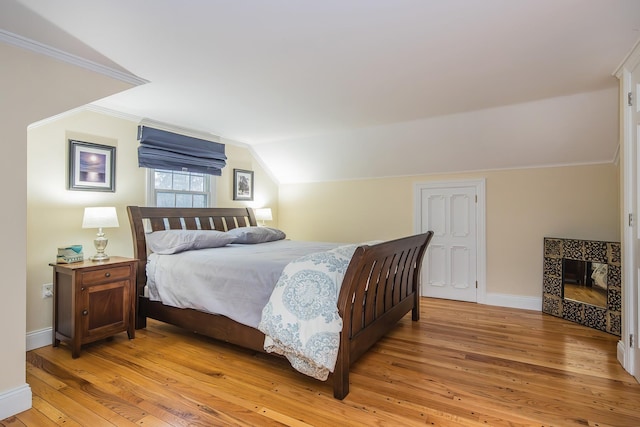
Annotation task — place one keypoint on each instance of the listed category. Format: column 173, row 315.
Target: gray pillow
column 251, row 235
column 167, row 242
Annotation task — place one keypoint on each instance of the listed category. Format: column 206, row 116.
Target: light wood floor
column 462, row 364
column 591, row 295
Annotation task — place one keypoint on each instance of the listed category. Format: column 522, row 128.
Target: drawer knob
column 85, row 312
column 107, row 274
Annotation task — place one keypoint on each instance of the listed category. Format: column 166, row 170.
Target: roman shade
column 160, row 149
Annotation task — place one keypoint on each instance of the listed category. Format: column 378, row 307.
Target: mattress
column 234, row 280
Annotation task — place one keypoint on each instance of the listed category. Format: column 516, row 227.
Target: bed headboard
column 146, row 219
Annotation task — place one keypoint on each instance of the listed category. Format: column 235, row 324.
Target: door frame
column 481, row 239
column 627, row 353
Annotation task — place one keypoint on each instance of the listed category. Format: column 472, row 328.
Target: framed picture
column 92, row 167
column 242, row 184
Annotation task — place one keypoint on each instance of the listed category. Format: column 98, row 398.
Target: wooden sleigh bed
column 381, row 285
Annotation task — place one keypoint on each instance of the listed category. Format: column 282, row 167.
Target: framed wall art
column 92, row 167
column 242, row 184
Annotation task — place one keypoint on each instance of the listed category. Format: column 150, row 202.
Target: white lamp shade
column 103, row 217
column 264, row 214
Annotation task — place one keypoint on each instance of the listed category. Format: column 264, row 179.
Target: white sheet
column 235, row 280
column 599, row 274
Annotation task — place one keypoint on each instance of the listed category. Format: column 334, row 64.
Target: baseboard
column 513, row 301
column 40, row 338
column 621, row 353
column 15, row 401
column 19, row 399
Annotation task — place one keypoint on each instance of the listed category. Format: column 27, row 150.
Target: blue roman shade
column 160, row 149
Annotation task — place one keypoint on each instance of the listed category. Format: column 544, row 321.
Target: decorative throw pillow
column 251, row 235
column 167, row 242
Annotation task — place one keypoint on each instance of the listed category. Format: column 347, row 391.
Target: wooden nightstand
column 93, row 300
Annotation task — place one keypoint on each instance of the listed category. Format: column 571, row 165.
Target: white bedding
column 235, row 280
column 599, row 274
column 301, row 319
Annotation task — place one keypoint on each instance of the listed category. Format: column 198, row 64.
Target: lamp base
column 100, row 243
column 99, row 257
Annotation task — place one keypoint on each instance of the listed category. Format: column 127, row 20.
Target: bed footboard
column 381, row 285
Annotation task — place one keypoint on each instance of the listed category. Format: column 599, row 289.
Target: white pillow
column 173, row 241
column 251, row 235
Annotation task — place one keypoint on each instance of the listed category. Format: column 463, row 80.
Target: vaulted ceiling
column 346, row 89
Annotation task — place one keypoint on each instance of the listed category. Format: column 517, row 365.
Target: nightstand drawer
column 105, row 275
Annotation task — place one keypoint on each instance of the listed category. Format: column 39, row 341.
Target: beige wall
column 523, row 206
column 54, row 214
column 265, row 188
column 33, row 87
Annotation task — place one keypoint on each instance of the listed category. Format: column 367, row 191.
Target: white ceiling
column 344, row 89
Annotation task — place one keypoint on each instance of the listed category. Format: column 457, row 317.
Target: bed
column 381, row 285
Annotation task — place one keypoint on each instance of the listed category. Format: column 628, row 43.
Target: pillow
column 173, row 241
column 251, row 235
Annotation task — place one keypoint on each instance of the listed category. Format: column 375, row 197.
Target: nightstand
column 93, row 300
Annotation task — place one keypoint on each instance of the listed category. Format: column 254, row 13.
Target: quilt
column 301, row 320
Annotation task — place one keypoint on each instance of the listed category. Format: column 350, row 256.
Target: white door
column 635, row 315
column 450, row 210
column 629, row 74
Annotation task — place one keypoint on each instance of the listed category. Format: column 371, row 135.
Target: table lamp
column 263, row 214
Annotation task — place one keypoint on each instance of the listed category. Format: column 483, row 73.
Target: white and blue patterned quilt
column 301, row 320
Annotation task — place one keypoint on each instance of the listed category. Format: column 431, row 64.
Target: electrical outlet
column 47, row 290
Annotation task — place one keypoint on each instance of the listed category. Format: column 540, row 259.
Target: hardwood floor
column 462, row 364
column 590, row 295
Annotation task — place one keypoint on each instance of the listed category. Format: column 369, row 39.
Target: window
column 170, row 189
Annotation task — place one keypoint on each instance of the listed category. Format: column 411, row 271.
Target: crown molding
column 37, row 47
column 113, row 113
column 630, row 61
column 87, row 107
column 144, row 121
